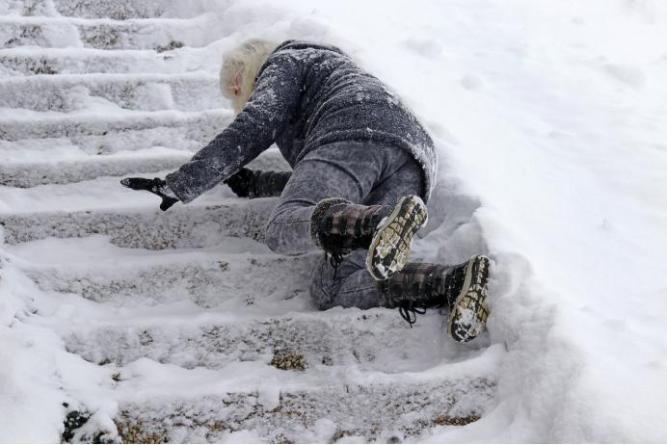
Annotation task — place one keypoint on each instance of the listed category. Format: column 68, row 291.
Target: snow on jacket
column 306, row 95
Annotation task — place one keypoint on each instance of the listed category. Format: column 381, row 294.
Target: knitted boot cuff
column 319, row 212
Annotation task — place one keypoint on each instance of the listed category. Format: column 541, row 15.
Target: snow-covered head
column 239, row 70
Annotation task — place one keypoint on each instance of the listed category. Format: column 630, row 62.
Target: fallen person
column 362, row 169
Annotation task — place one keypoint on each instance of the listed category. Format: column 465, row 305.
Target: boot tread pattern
column 470, row 311
column 390, row 248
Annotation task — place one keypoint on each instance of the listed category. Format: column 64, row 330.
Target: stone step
column 390, row 413
column 324, row 404
column 194, row 225
column 116, row 10
column 189, row 136
column 160, row 35
column 35, row 61
column 20, row 168
column 116, row 124
column 239, row 272
column 106, row 193
column 145, row 92
column 128, row 9
column 28, row 8
column 377, row 339
column 31, row 173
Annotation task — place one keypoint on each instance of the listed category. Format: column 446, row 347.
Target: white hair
column 244, row 61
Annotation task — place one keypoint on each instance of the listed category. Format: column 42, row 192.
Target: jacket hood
column 297, row 45
column 301, row 44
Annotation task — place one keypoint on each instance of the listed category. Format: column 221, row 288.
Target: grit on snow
column 549, row 119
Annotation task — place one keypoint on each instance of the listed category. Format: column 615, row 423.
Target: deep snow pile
column 550, row 123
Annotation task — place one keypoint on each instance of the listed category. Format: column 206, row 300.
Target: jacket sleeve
column 254, row 129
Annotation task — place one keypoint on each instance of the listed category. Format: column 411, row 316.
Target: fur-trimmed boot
column 338, row 226
column 461, row 288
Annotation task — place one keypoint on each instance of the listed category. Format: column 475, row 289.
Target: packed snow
column 549, row 121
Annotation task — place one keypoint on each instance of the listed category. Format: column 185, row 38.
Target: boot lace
column 409, row 309
column 335, row 259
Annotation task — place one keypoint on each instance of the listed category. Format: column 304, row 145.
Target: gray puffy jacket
column 306, row 95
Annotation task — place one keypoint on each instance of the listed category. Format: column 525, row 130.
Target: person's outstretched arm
column 254, row 129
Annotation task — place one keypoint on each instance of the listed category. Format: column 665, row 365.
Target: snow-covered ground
column 550, row 120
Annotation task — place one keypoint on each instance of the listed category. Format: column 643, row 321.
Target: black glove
column 242, row 183
column 156, row 185
column 258, row 184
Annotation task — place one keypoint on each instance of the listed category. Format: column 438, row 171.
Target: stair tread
column 61, row 152
column 75, row 175
column 115, row 120
column 103, row 194
column 20, row 62
column 128, row 9
column 160, row 34
column 120, row 115
column 32, row 20
column 373, row 339
column 214, row 276
column 198, row 224
column 97, row 252
column 243, row 377
column 40, row 80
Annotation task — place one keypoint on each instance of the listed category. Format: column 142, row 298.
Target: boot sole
column 390, row 248
column 470, row 312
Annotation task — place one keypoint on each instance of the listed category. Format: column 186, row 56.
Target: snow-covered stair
column 62, row 93
column 195, row 328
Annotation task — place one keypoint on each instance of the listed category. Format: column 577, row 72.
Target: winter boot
column 258, row 184
column 461, row 288
column 339, row 226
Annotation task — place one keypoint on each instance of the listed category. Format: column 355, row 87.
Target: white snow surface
column 550, row 122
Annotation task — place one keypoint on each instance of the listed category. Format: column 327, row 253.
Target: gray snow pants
column 360, row 172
